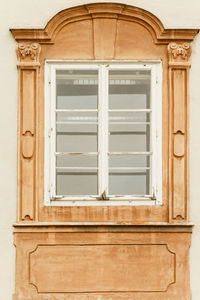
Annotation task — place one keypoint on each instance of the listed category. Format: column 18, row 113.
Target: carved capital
column 179, row 52
column 28, row 53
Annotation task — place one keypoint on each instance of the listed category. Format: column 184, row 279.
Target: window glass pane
column 128, row 161
column 76, row 89
column 129, row 131
column 77, row 161
column 76, row 138
column 135, row 182
column 77, row 182
column 129, row 138
column 129, row 89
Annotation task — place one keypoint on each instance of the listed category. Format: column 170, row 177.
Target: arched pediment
column 116, row 11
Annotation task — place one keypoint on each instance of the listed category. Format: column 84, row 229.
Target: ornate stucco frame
column 33, row 47
column 106, row 31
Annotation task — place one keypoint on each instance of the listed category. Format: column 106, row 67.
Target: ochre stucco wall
column 35, row 14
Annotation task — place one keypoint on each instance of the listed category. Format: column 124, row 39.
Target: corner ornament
column 28, row 53
column 179, row 52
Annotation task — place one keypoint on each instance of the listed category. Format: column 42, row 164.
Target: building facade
column 105, row 186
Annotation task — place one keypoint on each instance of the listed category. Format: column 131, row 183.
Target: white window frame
column 156, row 133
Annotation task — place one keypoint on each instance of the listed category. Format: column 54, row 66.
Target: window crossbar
column 76, row 110
column 130, row 153
column 130, row 110
column 75, row 153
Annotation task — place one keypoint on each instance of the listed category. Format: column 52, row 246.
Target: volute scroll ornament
column 179, row 52
column 28, row 53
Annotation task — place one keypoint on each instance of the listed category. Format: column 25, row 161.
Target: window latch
column 103, row 196
column 153, row 197
column 57, row 197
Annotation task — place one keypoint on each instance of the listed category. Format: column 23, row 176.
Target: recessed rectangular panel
column 27, row 189
column 28, row 78
column 179, row 96
column 179, row 188
column 102, row 268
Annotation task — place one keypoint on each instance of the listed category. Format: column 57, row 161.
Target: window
column 103, row 133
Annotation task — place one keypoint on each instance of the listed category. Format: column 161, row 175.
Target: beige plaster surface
column 35, row 14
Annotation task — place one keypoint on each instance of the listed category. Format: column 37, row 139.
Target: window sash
column 103, row 111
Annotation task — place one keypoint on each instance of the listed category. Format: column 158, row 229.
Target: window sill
column 102, row 227
column 115, row 202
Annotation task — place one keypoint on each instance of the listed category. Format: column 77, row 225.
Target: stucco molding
column 40, row 259
column 179, row 64
column 164, row 256
column 111, row 32
column 179, row 52
column 101, row 227
column 28, row 55
column 114, row 31
column 104, row 10
column 28, row 50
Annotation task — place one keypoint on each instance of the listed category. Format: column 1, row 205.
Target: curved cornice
column 104, row 10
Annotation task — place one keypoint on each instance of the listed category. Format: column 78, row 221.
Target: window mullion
column 158, row 142
column 106, row 132
column 103, row 131
column 153, row 131
column 100, row 129
column 53, row 132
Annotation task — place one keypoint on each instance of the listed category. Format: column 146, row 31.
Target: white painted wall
column 35, row 14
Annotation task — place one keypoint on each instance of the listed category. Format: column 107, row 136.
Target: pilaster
column 28, row 68
column 179, row 65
